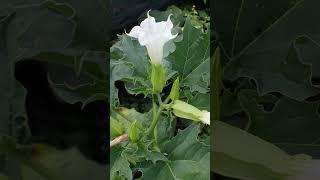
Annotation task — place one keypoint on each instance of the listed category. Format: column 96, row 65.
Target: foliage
column 60, row 34
column 269, row 53
column 168, row 152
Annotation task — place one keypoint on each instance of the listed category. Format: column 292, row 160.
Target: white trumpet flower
column 153, row 35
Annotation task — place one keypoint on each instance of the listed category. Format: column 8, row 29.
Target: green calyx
column 158, row 78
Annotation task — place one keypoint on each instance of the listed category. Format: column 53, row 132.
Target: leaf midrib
column 289, row 11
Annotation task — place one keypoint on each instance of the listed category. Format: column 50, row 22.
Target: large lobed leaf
column 170, row 160
column 129, row 63
column 64, row 36
column 290, row 121
column 191, row 59
column 188, row 158
column 239, row 154
column 272, row 42
column 51, row 31
column 12, row 116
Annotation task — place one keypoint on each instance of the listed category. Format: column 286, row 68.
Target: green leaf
column 289, row 76
column 191, row 59
column 238, row 154
column 299, row 119
column 188, row 158
column 239, row 23
column 92, row 24
column 277, row 43
column 119, row 70
column 73, row 43
column 269, row 39
column 66, row 164
column 143, row 151
column 230, row 103
column 177, row 170
column 165, row 130
column 83, row 80
column 201, row 101
column 131, row 56
column 13, row 117
column 54, row 30
column 119, row 165
column 128, row 116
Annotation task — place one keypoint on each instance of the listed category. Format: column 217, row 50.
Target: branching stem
column 156, row 113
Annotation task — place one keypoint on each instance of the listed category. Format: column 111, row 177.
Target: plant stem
column 159, row 99
column 154, row 121
column 156, row 114
column 119, row 140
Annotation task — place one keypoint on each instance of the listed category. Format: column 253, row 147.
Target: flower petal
column 148, row 24
column 136, row 32
column 153, row 35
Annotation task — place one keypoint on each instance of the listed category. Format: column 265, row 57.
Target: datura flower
column 187, row 111
column 153, row 35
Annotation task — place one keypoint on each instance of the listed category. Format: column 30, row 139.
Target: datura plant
column 169, row 65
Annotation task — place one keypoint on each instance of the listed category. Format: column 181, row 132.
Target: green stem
column 166, row 100
column 154, row 122
column 159, row 98
column 156, row 114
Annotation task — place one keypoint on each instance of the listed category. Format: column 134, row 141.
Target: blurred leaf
column 66, row 164
column 92, row 19
column 12, row 116
column 83, row 80
column 37, row 28
column 273, row 48
column 238, row 154
column 290, row 121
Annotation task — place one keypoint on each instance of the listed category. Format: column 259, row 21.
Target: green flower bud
column 158, row 78
column 134, row 132
column 187, row 111
column 116, row 128
column 174, row 94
